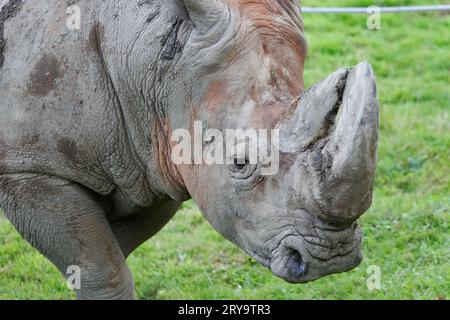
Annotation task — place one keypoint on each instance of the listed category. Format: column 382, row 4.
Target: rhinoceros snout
column 317, row 252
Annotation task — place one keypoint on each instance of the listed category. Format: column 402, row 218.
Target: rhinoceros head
column 300, row 220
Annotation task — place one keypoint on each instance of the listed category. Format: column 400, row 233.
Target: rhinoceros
column 90, row 92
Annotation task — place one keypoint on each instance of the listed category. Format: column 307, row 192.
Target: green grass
column 407, row 231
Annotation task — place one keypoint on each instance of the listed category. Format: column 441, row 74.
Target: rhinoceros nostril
column 296, row 267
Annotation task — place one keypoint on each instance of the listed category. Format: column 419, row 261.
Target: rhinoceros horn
column 334, row 127
column 205, row 14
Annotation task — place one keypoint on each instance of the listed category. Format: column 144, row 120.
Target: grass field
column 407, row 232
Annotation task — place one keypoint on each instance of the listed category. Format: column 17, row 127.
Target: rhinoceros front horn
column 334, row 128
column 205, row 14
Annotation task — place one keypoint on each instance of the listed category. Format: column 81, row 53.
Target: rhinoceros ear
column 205, row 13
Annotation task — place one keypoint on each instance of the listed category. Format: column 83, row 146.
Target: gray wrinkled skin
column 86, row 117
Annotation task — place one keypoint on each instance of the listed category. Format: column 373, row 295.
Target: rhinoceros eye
column 240, row 164
column 242, row 169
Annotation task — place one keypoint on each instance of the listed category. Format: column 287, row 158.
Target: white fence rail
column 382, row 9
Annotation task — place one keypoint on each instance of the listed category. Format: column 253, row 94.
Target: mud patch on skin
column 93, row 47
column 7, row 12
column 29, row 141
column 68, row 148
column 44, row 76
column 96, row 35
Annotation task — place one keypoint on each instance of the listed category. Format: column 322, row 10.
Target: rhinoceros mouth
column 301, row 259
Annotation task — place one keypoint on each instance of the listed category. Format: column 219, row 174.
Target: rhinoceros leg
column 132, row 232
column 63, row 221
